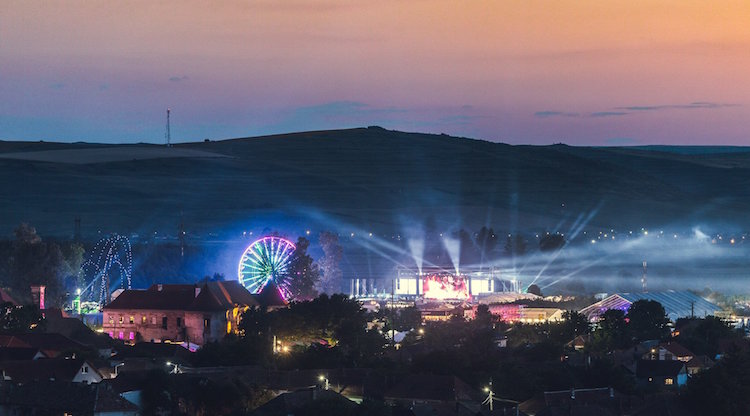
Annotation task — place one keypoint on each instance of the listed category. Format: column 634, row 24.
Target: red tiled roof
column 270, row 296
column 212, row 296
column 677, row 349
column 60, row 397
column 43, row 369
column 49, row 344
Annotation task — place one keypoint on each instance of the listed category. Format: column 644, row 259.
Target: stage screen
column 445, row 286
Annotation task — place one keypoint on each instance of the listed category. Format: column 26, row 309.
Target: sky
column 523, row 72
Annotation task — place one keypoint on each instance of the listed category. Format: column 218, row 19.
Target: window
column 120, row 318
column 143, row 319
column 668, row 381
column 111, row 334
column 131, row 336
column 206, row 323
column 121, row 335
column 132, row 319
column 85, row 369
column 111, row 320
column 179, row 322
column 153, row 320
column 164, row 322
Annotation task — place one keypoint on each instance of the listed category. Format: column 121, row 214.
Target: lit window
column 131, row 336
column 143, row 319
column 132, row 319
column 111, row 334
column 668, row 381
column 121, row 335
column 120, row 318
column 153, row 320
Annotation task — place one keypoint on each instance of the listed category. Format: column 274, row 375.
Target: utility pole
column 168, row 134
column 490, row 396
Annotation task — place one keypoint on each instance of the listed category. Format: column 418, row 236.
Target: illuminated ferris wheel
column 266, row 260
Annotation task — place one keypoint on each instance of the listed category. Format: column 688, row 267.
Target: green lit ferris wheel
column 264, row 261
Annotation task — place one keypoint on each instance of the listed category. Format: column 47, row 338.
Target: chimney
column 37, row 295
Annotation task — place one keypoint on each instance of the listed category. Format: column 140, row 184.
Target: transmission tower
column 168, row 135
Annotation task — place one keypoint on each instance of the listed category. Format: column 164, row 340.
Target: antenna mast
column 168, row 134
column 643, row 278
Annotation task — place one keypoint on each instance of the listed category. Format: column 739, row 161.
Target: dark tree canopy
column 304, row 272
column 647, row 320
column 534, row 290
column 551, row 242
column 330, row 264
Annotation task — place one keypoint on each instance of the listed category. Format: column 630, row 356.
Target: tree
column 534, row 290
column 723, row 389
column 304, row 272
column 611, row 332
column 551, row 242
column 647, row 320
column 515, row 246
column 702, row 335
column 35, row 262
column 407, row 318
column 574, row 324
column 330, row 281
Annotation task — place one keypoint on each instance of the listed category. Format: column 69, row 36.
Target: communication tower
column 168, row 135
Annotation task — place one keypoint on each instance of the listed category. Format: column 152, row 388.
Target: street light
column 325, row 380
column 175, row 369
column 118, row 366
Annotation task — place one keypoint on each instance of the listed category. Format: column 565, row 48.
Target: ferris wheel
column 266, row 260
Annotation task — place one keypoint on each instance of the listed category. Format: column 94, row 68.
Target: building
column 75, row 370
column 667, row 373
column 604, row 401
column 191, row 314
column 676, row 304
column 669, row 351
column 303, row 401
column 62, row 398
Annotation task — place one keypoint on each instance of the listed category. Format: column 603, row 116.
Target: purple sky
column 526, row 71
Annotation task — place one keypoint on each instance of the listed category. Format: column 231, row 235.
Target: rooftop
column 677, row 304
column 211, row 296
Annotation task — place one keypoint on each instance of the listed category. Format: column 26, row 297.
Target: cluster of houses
column 81, row 371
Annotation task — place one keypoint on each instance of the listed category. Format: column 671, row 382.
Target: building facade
column 193, row 314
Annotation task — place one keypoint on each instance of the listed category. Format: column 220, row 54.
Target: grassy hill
column 364, row 179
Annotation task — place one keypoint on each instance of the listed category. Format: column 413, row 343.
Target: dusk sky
column 538, row 72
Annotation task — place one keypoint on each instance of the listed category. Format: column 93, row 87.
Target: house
column 698, row 364
column 579, row 343
column 304, row 399
column 50, row 345
column 667, row 373
column 677, row 304
column 669, row 351
column 434, row 394
column 604, row 401
column 193, row 314
column 76, row 330
column 62, row 398
column 75, row 370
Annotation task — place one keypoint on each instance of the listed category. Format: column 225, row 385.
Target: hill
column 367, row 179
